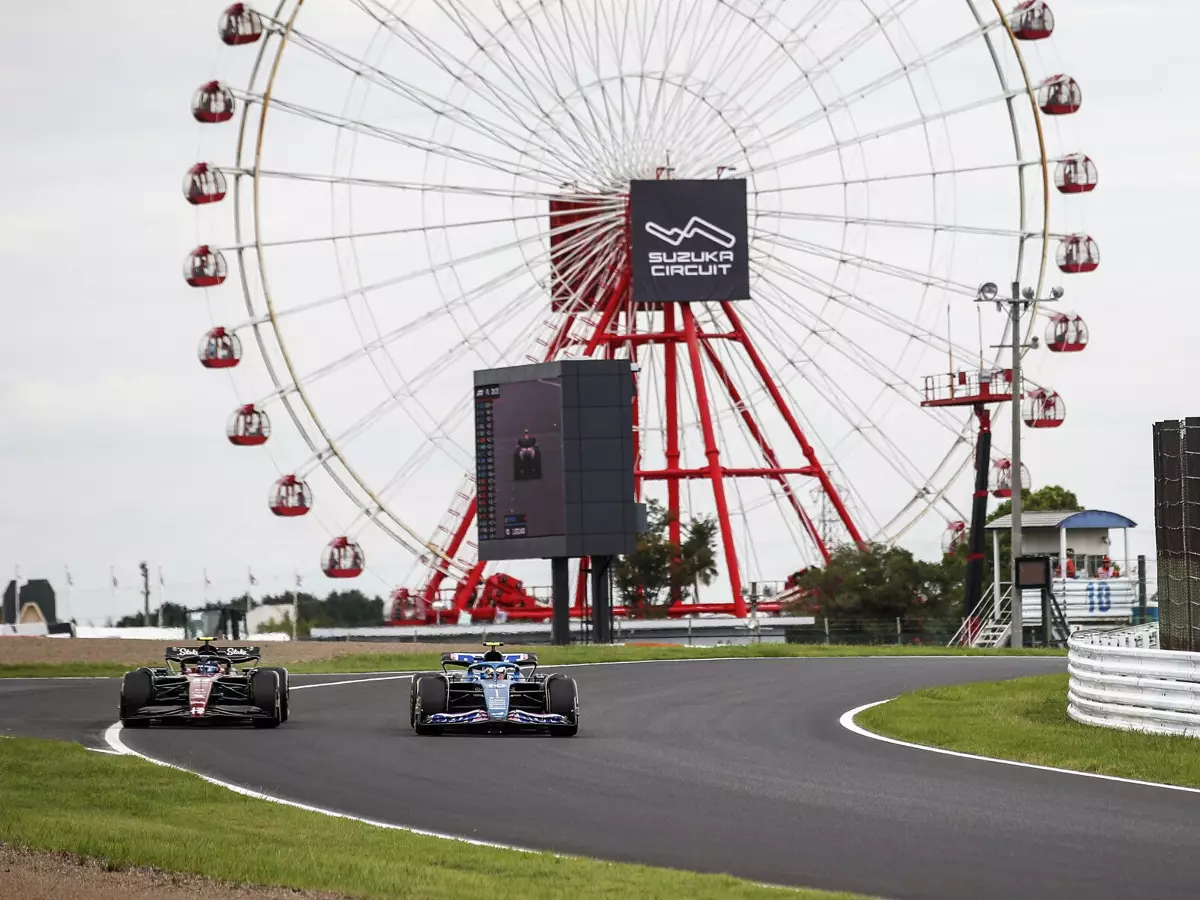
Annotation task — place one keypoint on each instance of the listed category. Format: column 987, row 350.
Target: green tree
column 659, row 569
column 1044, row 499
column 869, row 589
column 339, row 609
column 1051, row 498
column 284, row 625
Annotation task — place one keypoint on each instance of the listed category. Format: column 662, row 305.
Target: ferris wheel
column 398, row 194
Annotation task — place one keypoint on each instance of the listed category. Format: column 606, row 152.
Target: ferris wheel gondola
column 415, row 195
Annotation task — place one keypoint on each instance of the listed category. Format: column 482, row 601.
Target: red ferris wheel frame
column 616, row 325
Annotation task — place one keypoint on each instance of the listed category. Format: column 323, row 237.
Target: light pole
column 989, row 293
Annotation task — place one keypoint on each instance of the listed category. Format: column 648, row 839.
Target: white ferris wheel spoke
column 833, row 254
column 882, row 179
column 440, row 431
column 489, row 129
column 484, row 85
column 773, row 332
column 853, row 351
column 906, row 125
column 905, row 70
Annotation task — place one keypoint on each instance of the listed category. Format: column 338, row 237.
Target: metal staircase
column 991, row 623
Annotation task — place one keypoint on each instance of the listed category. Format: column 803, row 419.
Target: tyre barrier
column 1121, row 679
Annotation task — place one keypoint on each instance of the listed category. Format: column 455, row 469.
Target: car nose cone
column 495, row 699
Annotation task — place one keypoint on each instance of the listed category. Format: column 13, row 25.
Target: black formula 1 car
column 204, row 683
column 494, row 693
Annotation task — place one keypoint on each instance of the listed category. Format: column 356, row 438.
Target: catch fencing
column 1177, row 531
column 1123, row 679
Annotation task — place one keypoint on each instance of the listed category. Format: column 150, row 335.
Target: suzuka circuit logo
column 691, row 263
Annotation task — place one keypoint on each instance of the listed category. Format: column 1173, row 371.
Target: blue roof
column 1066, row 519
column 1097, row 518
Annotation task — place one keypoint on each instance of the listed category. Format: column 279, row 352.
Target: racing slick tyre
column 284, row 690
column 266, row 693
column 137, row 687
column 430, row 697
column 562, row 698
column 412, row 694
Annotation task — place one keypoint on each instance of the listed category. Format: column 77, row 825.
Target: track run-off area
column 741, row 766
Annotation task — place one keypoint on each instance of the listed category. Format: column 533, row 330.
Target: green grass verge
column 128, row 812
column 547, row 656
column 1025, row 719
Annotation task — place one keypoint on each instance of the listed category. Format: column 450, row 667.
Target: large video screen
column 519, row 459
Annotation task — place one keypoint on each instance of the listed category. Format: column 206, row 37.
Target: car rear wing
column 230, row 654
column 460, row 658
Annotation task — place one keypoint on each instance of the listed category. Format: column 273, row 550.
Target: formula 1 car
column 204, row 683
column 494, row 693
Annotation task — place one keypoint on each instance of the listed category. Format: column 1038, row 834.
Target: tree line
column 337, row 609
column 873, row 586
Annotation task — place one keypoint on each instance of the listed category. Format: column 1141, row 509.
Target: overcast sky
column 111, row 441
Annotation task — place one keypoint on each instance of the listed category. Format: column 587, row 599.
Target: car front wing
column 480, row 717
column 219, row 711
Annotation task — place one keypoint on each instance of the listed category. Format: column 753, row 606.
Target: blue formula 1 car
column 496, row 692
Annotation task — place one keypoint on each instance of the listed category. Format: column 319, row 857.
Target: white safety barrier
column 133, row 632
column 653, row 627
column 138, row 633
column 31, row 629
column 1121, row 679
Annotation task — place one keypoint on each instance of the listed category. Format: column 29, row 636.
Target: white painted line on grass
column 112, row 735
column 847, row 721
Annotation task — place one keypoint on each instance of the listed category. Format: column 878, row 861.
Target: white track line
column 302, row 687
column 396, row 676
column 847, row 721
column 112, row 735
column 618, row 662
column 59, row 678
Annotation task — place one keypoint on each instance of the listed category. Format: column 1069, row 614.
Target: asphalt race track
column 735, row 766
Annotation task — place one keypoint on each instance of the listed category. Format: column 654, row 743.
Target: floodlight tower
column 1020, row 299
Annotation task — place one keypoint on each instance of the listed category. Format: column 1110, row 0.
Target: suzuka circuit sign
column 689, row 240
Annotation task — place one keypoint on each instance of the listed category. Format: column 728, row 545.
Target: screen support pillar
column 560, row 583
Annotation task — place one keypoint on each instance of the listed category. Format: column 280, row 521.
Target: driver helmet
column 501, row 674
column 208, row 667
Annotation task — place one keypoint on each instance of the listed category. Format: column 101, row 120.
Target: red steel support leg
column 465, row 591
column 714, row 461
column 735, row 323
column 581, row 581
column 671, row 399
column 467, row 585
column 612, row 306
column 768, row 453
column 631, row 315
column 456, row 541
